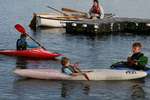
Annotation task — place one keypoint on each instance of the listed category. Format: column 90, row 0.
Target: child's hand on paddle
column 75, row 65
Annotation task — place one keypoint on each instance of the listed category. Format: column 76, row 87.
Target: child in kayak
column 22, row 43
column 68, row 68
column 137, row 61
column 71, row 69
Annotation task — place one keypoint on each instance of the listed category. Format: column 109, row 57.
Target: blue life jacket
column 21, row 44
column 69, row 67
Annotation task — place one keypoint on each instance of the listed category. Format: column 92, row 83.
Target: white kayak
column 94, row 74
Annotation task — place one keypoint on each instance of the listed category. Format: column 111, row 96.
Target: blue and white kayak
column 92, row 74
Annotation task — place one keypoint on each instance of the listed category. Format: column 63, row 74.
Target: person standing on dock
column 96, row 10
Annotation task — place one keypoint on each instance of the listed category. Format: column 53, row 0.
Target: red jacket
column 95, row 9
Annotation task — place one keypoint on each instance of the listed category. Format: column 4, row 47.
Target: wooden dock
column 111, row 25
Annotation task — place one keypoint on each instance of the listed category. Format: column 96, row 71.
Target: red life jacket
column 95, row 9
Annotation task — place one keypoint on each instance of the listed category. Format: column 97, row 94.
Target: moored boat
column 51, row 20
column 56, row 20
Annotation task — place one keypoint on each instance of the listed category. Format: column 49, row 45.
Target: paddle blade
column 20, row 28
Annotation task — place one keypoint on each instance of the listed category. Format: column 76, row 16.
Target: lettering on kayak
column 130, row 72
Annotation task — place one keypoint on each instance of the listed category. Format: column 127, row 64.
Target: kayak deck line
column 127, row 68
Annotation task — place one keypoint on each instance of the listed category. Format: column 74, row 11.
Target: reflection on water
column 21, row 63
column 108, row 90
column 68, row 87
column 39, row 89
column 137, row 92
column 86, row 89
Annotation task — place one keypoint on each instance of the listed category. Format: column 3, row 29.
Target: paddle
column 72, row 10
column 79, row 71
column 77, row 13
column 58, row 11
column 71, row 17
column 67, row 15
column 22, row 30
column 85, row 75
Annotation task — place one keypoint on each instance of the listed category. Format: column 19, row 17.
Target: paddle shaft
column 84, row 74
column 72, row 10
column 58, row 11
column 35, row 41
column 22, row 30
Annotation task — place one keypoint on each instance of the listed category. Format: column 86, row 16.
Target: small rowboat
column 53, row 20
column 36, row 53
column 94, row 74
column 56, row 20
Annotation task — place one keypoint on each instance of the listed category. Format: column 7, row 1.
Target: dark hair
column 64, row 60
column 22, row 35
column 137, row 44
column 95, row 1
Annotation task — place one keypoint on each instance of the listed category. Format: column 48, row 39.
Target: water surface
column 89, row 51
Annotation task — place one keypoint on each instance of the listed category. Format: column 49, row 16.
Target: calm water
column 90, row 52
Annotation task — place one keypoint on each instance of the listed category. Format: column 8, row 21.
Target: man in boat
column 137, row 61
column 69, row 68
column 21, row 42
column 96, row 10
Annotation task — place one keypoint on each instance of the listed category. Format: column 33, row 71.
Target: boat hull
column 51, row 20
column 36, row 53
column 57, row 20
column 94, row 74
